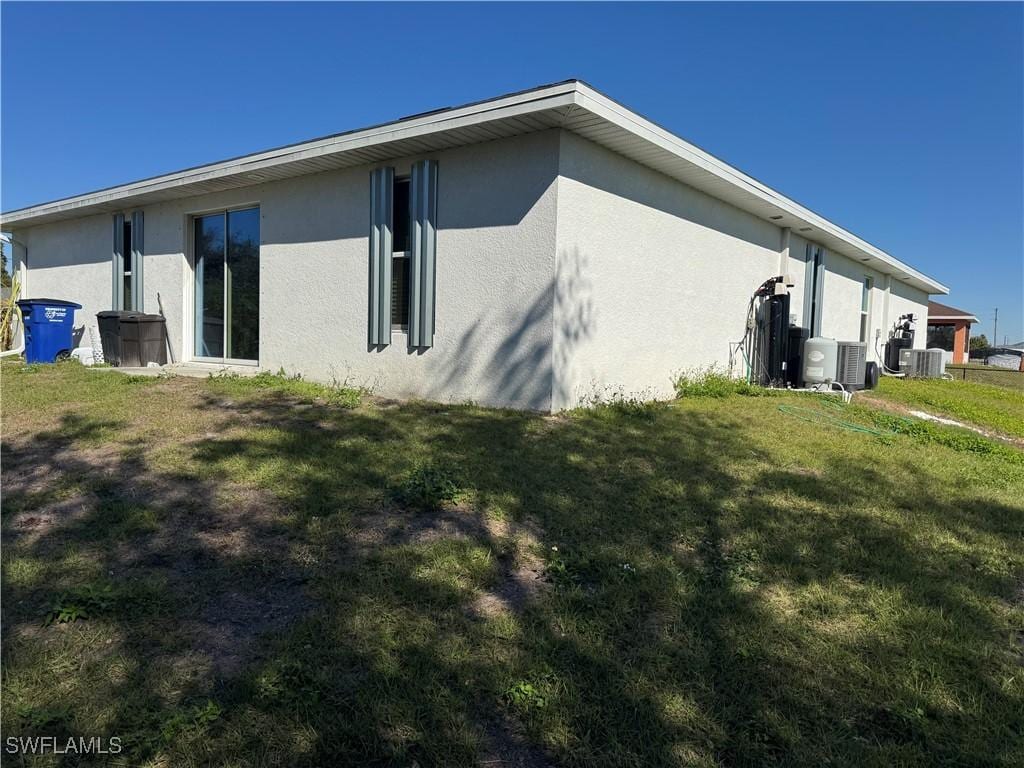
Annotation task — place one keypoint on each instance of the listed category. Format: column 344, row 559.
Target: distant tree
column 5, row 276
column 979, row 342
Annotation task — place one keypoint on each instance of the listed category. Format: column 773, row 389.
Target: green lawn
column 984, row 405
column 233, row 572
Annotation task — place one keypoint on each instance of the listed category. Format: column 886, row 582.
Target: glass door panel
column 209, row 256
column 227, row 294
column 243, row 289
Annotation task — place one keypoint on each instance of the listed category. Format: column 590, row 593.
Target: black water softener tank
column 776, row 340
column 794, row 363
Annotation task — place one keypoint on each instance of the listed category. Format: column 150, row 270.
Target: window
column 865, row 308
column 127, row 262
column 126, row 274
column 400, row 256
column 403, row 240
column 941, row 337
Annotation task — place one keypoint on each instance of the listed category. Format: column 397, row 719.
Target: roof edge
column 565, row 92
column 624, row 116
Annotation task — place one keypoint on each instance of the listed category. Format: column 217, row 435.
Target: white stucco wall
column 70, row 260
column 495, row 262
column 564, row 272
column 842, row 298
column 843, row 289
column 495, row 268
column 653, row 276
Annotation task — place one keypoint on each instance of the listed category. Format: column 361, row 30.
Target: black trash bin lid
column 121, row 313
column 141, row 317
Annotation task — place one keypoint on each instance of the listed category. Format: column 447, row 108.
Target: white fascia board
column 606, row 108
column 511, row 106
column 968, row 318
column 560, row 95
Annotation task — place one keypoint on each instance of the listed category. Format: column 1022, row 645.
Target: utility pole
column 995, row 329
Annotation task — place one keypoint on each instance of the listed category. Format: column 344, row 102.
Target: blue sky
column 903, row 123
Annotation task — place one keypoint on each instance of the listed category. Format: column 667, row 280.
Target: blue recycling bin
column 48, row 327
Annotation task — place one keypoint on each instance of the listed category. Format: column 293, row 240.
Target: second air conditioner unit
column 851, row 364
column 925, row 364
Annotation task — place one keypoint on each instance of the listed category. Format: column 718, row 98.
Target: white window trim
column 867, row 288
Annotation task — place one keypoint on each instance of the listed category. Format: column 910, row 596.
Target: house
column 949, row 329
column 532, row 251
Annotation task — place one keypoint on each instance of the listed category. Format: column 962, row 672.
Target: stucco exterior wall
column 842, row 298
column 495, row 268
column 653, row 276
column 564, row 272
column 70, row 260
column 843, row 290
column 495, row 264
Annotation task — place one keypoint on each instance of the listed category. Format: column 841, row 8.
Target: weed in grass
column 191, row 722
column 616, row 401
column 43, row 719
column 289, row 684
column 525, row 696
column 84, row 602
column 714, row 382
column 559, row 571
column 30, row 368
column 428, row 486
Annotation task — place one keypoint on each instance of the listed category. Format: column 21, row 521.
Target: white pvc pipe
column 16, row 351
column 21, row 347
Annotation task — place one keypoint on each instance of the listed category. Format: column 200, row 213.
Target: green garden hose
column 826, row 419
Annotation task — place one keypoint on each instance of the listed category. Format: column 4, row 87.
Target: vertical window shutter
column 814, row 287
column 422, row 268
column 819, row 290
column 808, row 286
column 117, row 264
column 382, row 182
column 137, row 249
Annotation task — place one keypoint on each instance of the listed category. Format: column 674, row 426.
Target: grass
column 983, row 405
column 714, row 382
column 281, row 384
column 225, row 573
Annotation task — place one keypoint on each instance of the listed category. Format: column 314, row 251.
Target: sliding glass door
column 227, row 289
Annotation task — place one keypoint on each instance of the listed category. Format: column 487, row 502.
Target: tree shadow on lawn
column 700, row 607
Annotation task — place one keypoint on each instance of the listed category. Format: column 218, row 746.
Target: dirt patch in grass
column 521, row 576
column 907, row 411
column 505, row 744
column 520, row 569
column 220, row 553
column 229, row 623
column 518, row 586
